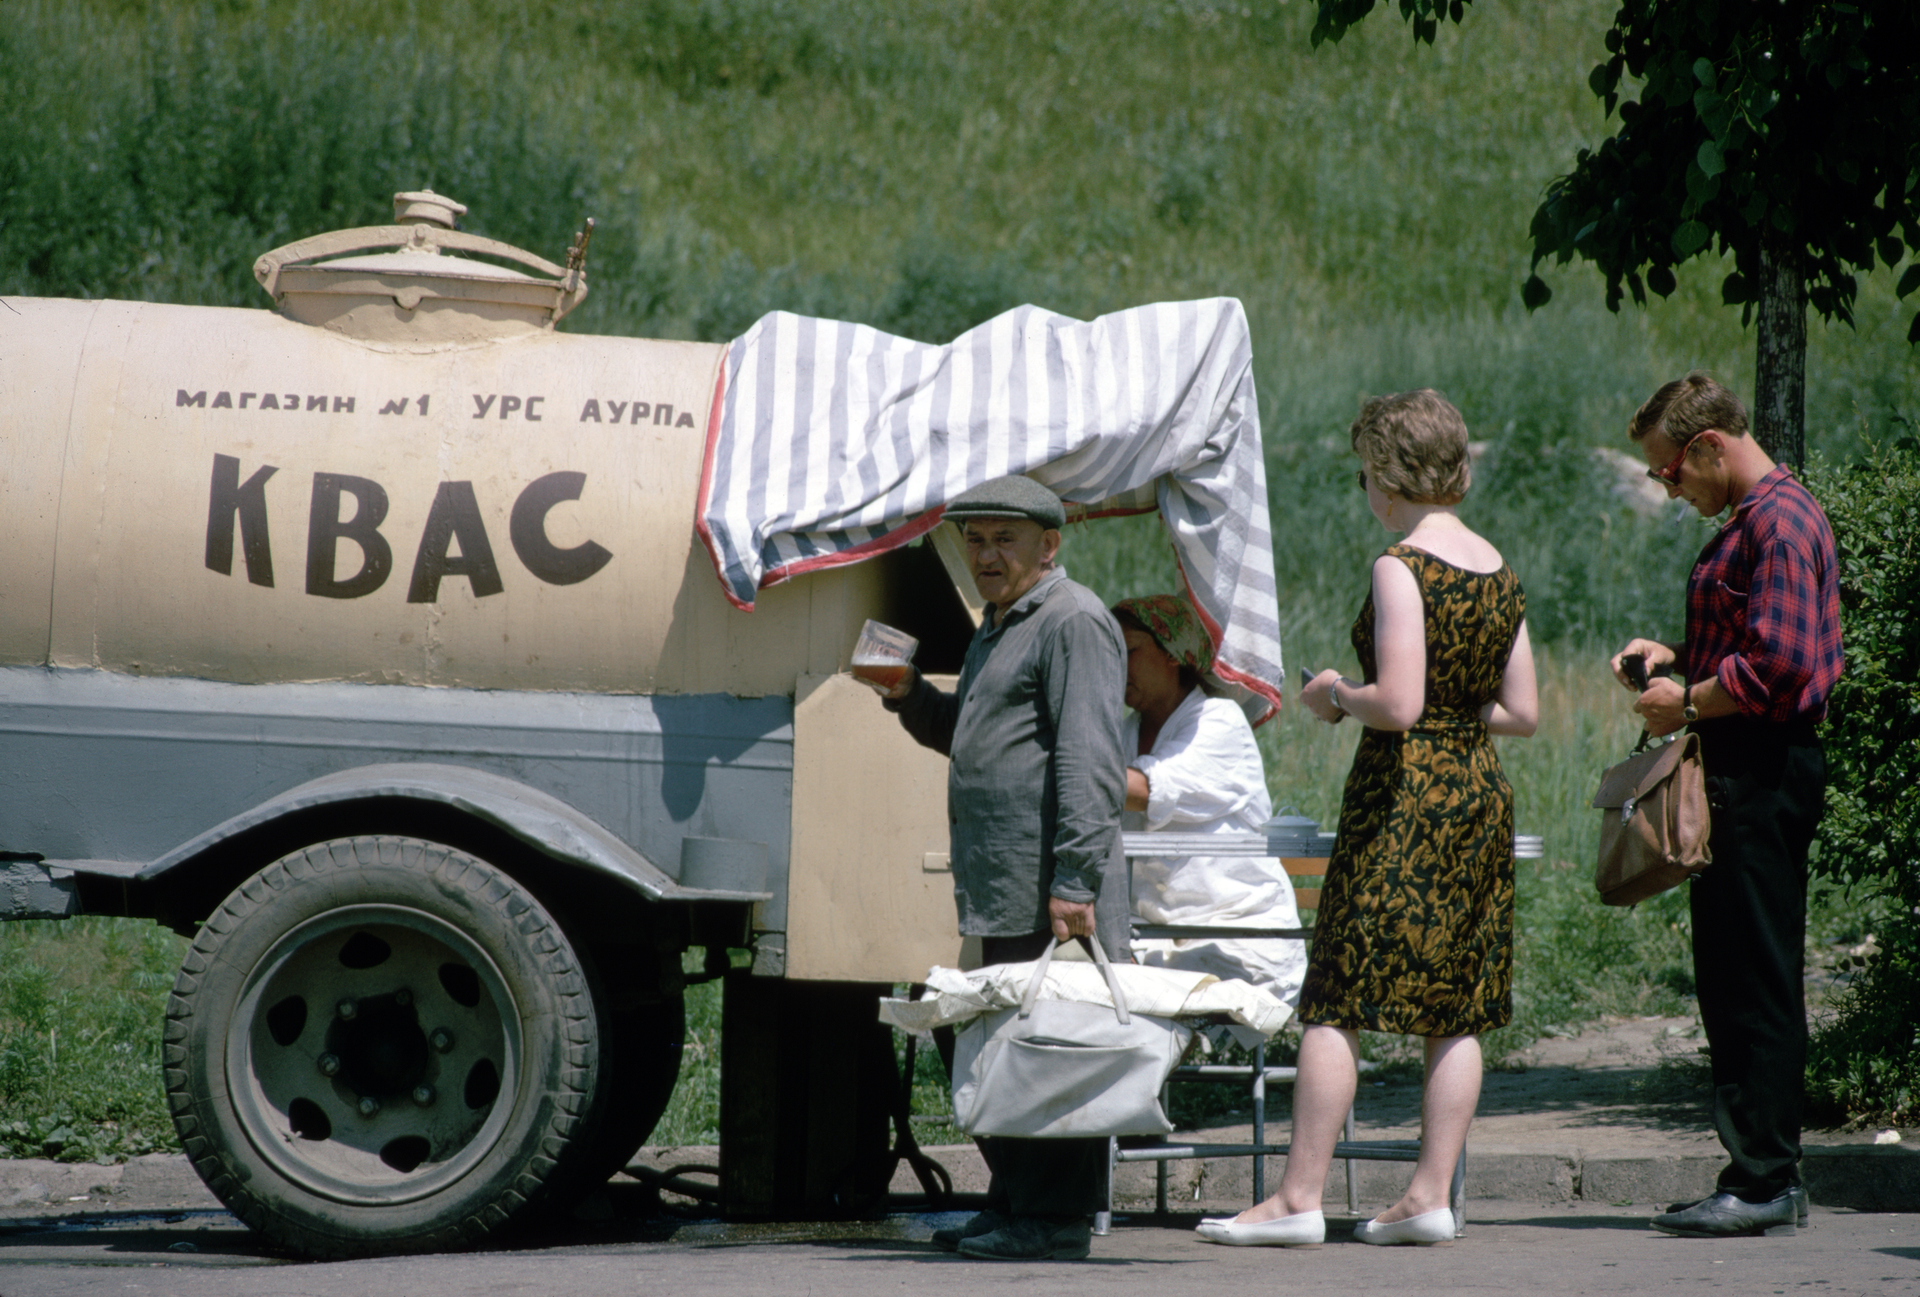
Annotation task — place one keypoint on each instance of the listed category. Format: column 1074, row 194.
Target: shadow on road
column 175, row 1237
column 1628, row 1224
column 1669, row 1098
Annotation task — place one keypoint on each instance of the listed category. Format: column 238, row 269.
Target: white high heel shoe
column 1434, row 1226
column 1302, row 1229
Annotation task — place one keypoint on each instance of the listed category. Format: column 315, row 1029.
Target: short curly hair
column 1414, row 445
column 1685, row 408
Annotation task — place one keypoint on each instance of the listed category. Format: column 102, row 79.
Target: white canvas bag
column 1056, row 1069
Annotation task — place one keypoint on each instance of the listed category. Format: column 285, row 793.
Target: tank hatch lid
column 420, row 262
column 409, row 282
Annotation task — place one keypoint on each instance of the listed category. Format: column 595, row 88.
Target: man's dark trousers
column 1041, row 1177
column 1766, row 785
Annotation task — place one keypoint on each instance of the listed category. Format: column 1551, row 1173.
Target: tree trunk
column 1780, row 359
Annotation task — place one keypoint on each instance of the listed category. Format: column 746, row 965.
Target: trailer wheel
column 648, row 1041
column 380, row 1044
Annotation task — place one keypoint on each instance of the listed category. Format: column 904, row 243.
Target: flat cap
column 1009, row 497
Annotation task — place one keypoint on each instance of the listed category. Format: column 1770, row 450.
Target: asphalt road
column 1509, row 1248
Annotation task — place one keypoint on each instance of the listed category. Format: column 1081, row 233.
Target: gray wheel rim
column 300, row 1094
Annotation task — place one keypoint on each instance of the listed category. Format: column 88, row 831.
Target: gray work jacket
column 1037, row 777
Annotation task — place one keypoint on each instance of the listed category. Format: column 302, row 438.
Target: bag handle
column 1099, row 957
column 1635, row 665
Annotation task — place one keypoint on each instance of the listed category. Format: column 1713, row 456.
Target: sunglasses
column 1670, row 474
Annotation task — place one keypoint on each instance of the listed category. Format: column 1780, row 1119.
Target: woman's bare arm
column 1396, row 699
column 1515, row 710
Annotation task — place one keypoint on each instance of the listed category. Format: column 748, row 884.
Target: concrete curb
column 1860, row 1177
column 1865, row 1177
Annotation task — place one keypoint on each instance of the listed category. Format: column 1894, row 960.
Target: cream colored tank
column 416, row 481
column 407, row 477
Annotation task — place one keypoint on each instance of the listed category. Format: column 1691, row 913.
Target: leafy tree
column 1786, row 134
column 1335, row 16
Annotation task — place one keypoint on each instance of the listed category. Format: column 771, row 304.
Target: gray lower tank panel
column 103, row 766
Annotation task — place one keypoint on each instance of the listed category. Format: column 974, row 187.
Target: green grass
column 80, row 1013
column 692, row 1117
column 922, row 165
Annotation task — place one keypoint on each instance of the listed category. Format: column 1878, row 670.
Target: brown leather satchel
column 1654, row 822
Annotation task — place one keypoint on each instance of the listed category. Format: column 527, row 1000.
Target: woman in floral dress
column 1415, row 929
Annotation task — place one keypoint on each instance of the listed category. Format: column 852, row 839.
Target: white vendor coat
column 1205, row 775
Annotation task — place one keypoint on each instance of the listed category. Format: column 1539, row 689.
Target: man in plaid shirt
column 1751, row 678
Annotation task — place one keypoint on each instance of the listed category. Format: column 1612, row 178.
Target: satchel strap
column 1106, row 967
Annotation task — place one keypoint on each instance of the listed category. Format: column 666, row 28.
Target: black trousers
column 1040, row 1177
column 1766, row 785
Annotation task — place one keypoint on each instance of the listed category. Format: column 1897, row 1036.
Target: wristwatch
column 1333, row 696
column 1688, row 711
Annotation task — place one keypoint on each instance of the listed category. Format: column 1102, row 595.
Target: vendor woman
column 1193, row 767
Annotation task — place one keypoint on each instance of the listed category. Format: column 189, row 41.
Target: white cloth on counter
column 953, row 996
column 1205, row 775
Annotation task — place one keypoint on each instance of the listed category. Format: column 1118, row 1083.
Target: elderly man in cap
column 1034, row 794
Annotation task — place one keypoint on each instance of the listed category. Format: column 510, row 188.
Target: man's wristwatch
column 1688, row 711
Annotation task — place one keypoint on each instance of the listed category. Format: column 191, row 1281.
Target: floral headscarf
column 1175, row 627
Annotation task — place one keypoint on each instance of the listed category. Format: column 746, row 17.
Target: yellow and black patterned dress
column 1415, row 932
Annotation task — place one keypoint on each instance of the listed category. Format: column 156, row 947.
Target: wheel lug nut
column 441, row 1040
column 329, row 1064
column 403, row 997
column 347, row 1010
column 423, row 1095
column 369, row 1106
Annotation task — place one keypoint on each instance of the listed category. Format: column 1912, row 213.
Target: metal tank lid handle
column 425, row 224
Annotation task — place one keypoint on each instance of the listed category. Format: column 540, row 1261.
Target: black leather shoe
column 1800, row 1200
column 1033, row 1238
column 949, row 1239
column 1725, row 1216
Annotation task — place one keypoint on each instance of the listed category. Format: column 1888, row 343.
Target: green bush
column 1865, row 1060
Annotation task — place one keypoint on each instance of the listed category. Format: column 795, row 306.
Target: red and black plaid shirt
column 1763, row 605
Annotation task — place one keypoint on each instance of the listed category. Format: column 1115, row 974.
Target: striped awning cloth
column 832, row 442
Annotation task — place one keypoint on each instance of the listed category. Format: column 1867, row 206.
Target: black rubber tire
column 648, row 1042
column 230, row 1063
